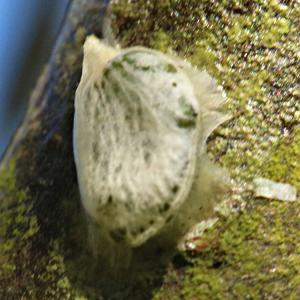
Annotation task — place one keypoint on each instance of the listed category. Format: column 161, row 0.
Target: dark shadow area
column 89, row 275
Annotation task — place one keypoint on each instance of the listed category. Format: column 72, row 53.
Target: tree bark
column 252, row 48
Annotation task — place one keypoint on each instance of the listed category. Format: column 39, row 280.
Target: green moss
column 284, row 163
column 25, row 269
column 250, row 256
column 273, row 29
column 161, row 41
column 17, row 223
column 239, row 29
column 204, row 58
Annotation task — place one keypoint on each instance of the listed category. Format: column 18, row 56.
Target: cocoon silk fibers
column 141, row 123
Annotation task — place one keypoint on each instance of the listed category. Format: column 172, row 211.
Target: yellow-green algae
column 252, row 48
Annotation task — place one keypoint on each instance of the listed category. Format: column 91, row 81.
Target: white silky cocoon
column 141, row 123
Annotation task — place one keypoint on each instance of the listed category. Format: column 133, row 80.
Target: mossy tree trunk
column 252, row 48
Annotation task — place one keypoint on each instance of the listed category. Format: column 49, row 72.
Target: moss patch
column 252, row 256
column 27, row 271
column 284, row 163
column 18, row 226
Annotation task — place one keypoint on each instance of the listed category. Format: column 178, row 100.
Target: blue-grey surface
column 27, row 32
